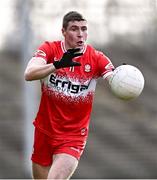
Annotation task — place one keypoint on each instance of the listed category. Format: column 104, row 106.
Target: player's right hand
column 67, row 59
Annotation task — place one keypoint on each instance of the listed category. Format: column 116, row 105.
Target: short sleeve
column 44, row 51
column 105, row 65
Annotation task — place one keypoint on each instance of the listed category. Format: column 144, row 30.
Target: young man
column 68, row 71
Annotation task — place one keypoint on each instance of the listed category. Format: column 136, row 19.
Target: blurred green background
column 123, row 135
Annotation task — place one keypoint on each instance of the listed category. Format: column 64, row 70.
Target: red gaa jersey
column 67, row 93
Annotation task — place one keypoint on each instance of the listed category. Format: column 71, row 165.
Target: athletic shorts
column 45, row 147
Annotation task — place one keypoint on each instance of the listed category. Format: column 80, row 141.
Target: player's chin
column 80, row 45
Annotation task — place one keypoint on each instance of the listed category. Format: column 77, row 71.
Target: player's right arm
column 37, row 68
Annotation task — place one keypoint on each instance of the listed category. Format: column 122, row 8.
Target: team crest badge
column 87, row 68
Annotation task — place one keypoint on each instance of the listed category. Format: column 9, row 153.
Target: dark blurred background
column 123, row 135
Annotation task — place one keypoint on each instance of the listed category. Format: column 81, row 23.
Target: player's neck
column 66, row 47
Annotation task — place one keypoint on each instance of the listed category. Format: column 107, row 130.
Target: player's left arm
column 106, row 67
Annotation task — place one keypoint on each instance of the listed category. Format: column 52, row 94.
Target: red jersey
column 67, row 93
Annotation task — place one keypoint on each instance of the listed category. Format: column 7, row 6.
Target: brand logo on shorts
column 75, row 149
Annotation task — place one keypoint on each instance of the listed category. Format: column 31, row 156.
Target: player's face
column 75, row 34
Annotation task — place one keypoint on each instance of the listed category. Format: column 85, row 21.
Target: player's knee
column 63, row 167
column 66, row 173
column 70, row 168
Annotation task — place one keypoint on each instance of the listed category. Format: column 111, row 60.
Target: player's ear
column 63, row 31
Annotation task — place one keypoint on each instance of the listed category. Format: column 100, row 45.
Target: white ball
column 127, row 82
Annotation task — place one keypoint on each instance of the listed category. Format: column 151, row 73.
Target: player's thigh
column 41, row 156
column 39, row 171
column 63, row 166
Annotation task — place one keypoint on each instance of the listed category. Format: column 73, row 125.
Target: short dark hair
column 72, row 16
